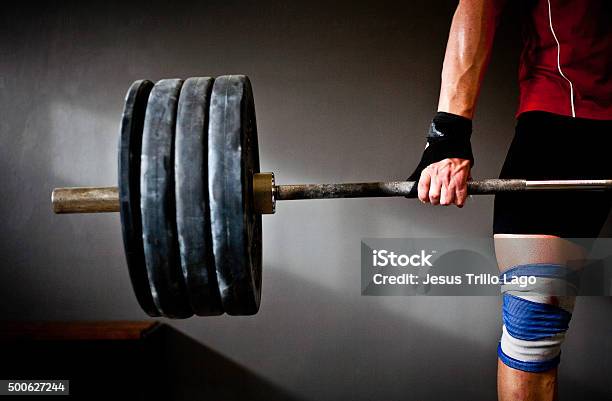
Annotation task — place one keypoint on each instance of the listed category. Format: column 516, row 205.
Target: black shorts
column 551, row 147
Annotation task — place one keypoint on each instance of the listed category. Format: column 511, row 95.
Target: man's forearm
column 467, row 55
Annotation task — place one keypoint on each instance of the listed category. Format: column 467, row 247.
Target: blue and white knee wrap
column 536, row 315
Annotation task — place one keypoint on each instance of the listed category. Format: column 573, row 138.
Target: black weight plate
column 233, row 158
column 157, row 201
column 191, row 187
column 130, row 140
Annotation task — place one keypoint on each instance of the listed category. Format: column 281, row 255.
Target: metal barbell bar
column 266, row 192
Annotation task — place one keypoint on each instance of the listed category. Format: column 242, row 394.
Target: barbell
column 190, row 195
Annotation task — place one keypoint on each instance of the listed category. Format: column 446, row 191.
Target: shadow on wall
column 195, row 371
column 137, row 359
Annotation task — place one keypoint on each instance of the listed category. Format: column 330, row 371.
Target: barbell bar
column 191, row 195
column 266, row 193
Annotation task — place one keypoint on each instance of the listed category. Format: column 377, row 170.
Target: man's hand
column 446, row 162
column 445, row 182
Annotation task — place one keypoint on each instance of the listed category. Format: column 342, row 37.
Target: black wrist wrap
column 448, row 137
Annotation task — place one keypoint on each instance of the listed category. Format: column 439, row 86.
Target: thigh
column 524, row 249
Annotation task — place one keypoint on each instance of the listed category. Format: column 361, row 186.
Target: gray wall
column 344, row 91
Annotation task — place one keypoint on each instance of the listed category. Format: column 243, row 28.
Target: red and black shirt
column 566, row 63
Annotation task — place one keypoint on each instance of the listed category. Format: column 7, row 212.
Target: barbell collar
column 264, row 193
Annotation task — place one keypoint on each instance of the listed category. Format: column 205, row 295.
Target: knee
column 536, row 316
